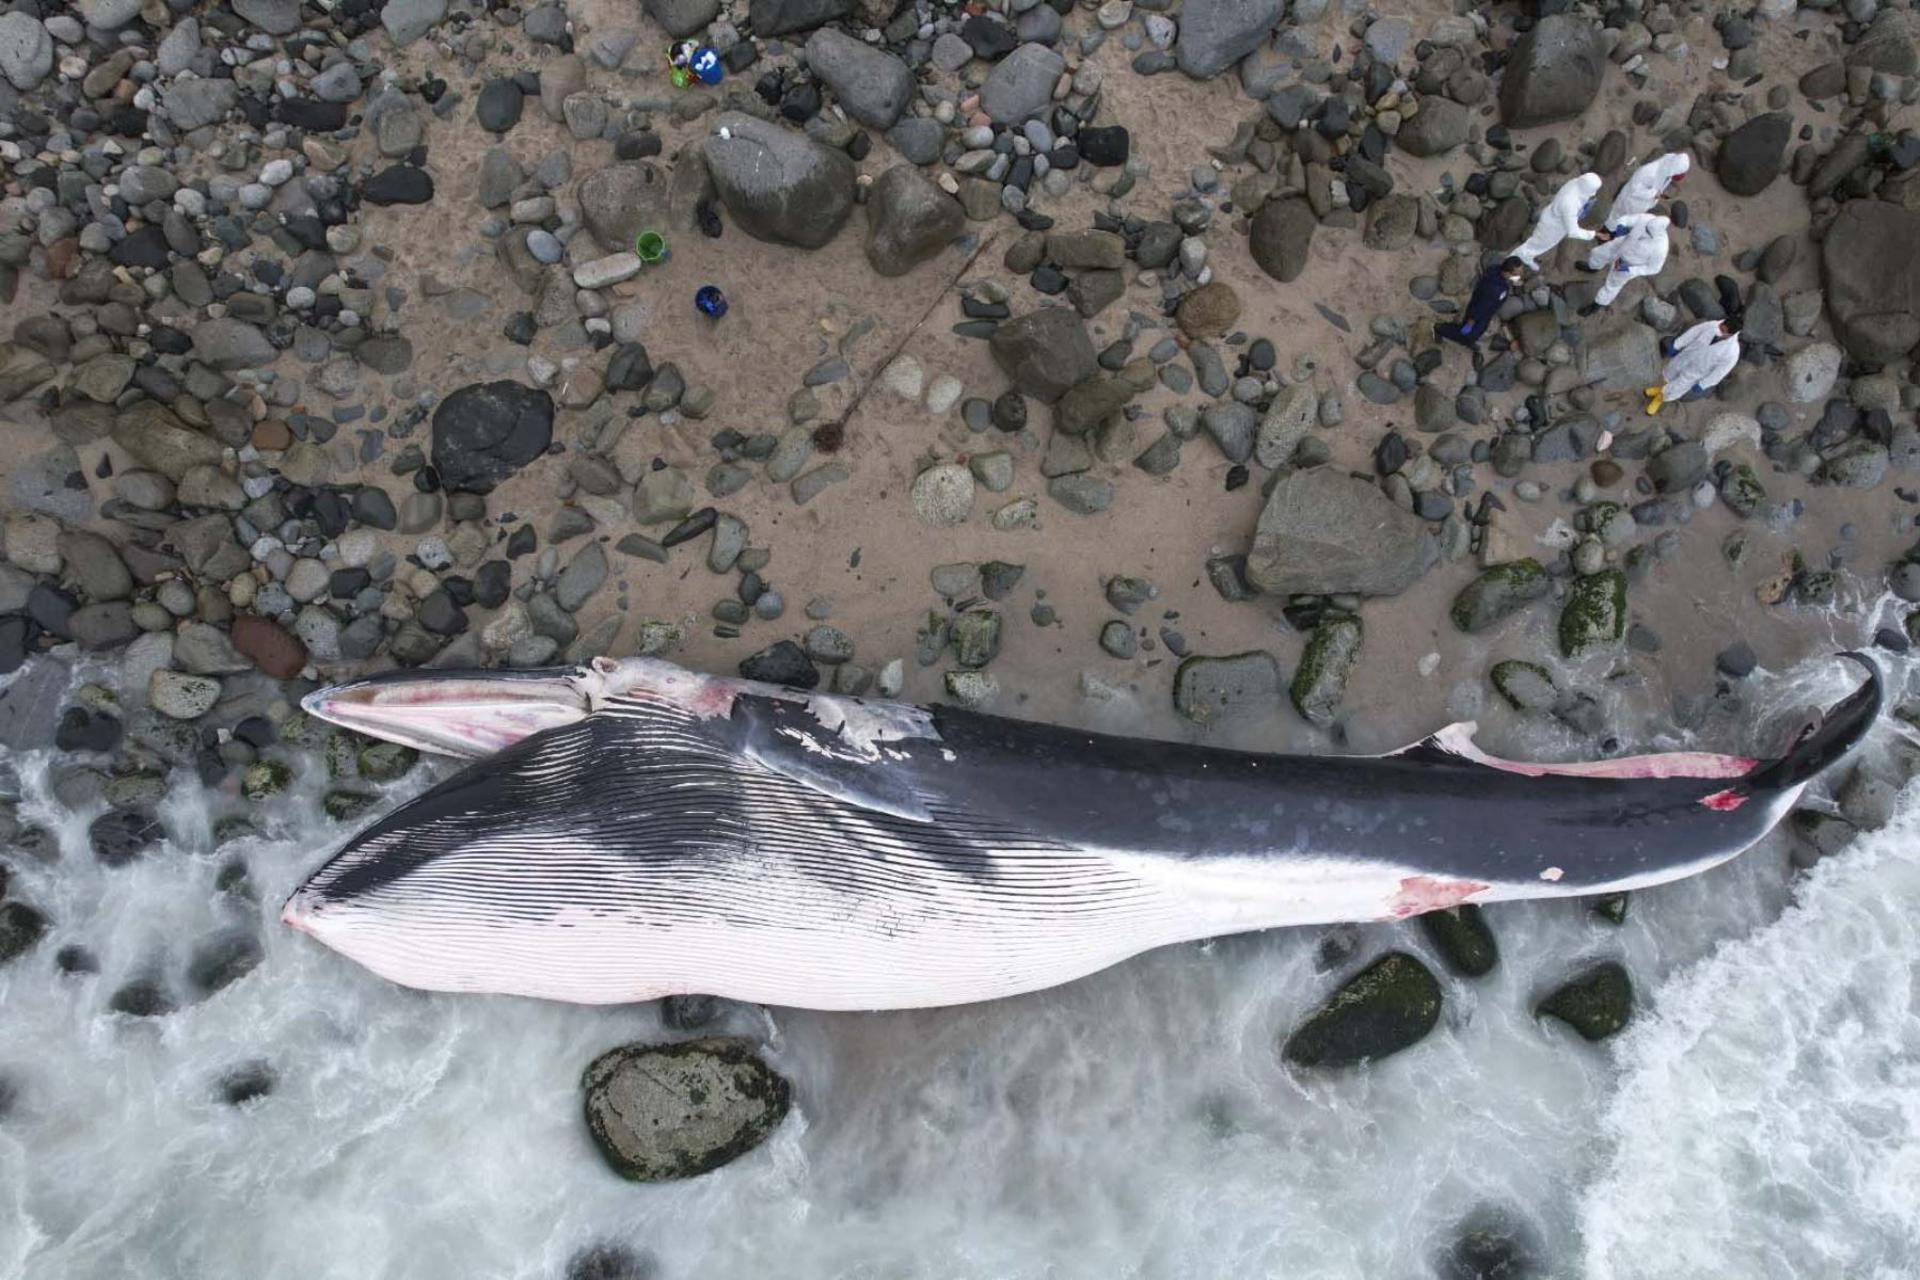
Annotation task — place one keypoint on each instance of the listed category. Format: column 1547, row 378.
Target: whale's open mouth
column 455, row 713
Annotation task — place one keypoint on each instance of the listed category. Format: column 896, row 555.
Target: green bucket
column 652, row 247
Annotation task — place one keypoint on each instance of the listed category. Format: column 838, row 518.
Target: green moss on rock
column 265, row 778
column 1527, row 686
column 1463, row 938
column 1612, row 908
column 1741, row 490
column 976, row 638
column 1597, row 1003
column 340, row 804
column 1321, row 680
column 1595, row 613
column 385, row 761
column 1390, row 1005
column 1500, row 592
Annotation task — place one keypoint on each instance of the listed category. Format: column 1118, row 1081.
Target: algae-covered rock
column 666, row 1111
column 264, row 778
column 1597, row 1003
column 1612, row 908
column 1389, row 1006
column 1500, row 592
column 340, row 804
column 1527, row 686
column 385, row 761
column 976, row 637
column 1595, row 613
column 1462, row 937
column 1321, row 679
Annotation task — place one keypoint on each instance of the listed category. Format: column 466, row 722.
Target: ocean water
column 1760, row 1119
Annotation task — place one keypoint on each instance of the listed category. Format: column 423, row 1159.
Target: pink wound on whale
column 1421, row 894
column 1724, row 801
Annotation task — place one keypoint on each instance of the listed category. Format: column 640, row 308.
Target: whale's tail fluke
column 1824, row 744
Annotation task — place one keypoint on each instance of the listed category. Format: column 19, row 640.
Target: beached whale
column 635, row 830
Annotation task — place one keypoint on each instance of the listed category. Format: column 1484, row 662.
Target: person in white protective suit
column 1649, row 182
column 1560, row 220
column 1702, row 357
column 1638, row 248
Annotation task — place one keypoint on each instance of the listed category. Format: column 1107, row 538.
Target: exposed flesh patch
column 1724, row 801
column 1458, row 739
column 1418, row 895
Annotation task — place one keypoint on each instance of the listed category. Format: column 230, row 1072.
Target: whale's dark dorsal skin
column 647, row 831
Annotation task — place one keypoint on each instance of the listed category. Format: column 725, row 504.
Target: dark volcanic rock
column 1281, row 236
column 401, row 184
column 660, row 1112
column 1873, row 279
column 1045, row 353
column 1752, row 156
column 486, row 431
column 782, row 663
column 1461, row 935
column 1597, row 1003
column 1389, row 1006
column 782, row 17
column 1553, row 72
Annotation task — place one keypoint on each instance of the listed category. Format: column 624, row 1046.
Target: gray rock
column 1021, row 84
column 1285, row 425
column 1045, row 352
column 783, row 17
column 94, row 566
column 1812, row 371
column 1872, row 278
column 660, row 1112
column 1500, row 592
column 408, row 20
column 338, row 83
column 275, row 17
column 683, row 18
column 191, row 104
column 1438, row 127
column 161, row 442
column 918, row 139
column 180, row 696
column 1553, row 72
column 1325, row 532
column 227, row 344
column 779, row 185
column 1321, row 680
column 620, row 201
column 1232, row 427
column 583, row 576
column 1625, row 357
column 1281, row 236
column 872, row 85
column 1208, row 690
column 26, row 50
column 1215, row 34
column 909, row 219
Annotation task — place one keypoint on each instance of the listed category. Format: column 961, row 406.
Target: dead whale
column 633, row 830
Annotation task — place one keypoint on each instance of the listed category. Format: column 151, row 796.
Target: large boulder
column 486, row 431
column 1215, row 34
column 783, row 17
column 1045, row 353
column 1553, row 72
column 1281, row 236
column 779, row 185
column 1873, row 280
column 1325, row 532
column 1390, row 1005
column 872, row 85
column 1753, row 155
column 159, row 441
column 683, row 17
column 1209, row 690
column 666, row 1111
column 909, row 219
column 620, row 201
column 1438, row 127
column 1021, row 84
column 1625, row 357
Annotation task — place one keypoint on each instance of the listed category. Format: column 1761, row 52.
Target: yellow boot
column 1656, row 400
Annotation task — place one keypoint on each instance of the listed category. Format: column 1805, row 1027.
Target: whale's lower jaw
column 795, row 942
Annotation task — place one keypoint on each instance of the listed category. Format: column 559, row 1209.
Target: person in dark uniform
column 1497, row 282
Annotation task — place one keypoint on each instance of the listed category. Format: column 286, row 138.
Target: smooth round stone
column 544, row 246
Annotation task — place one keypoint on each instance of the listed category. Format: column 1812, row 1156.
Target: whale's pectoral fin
column 785, row 738
column 454, row 713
